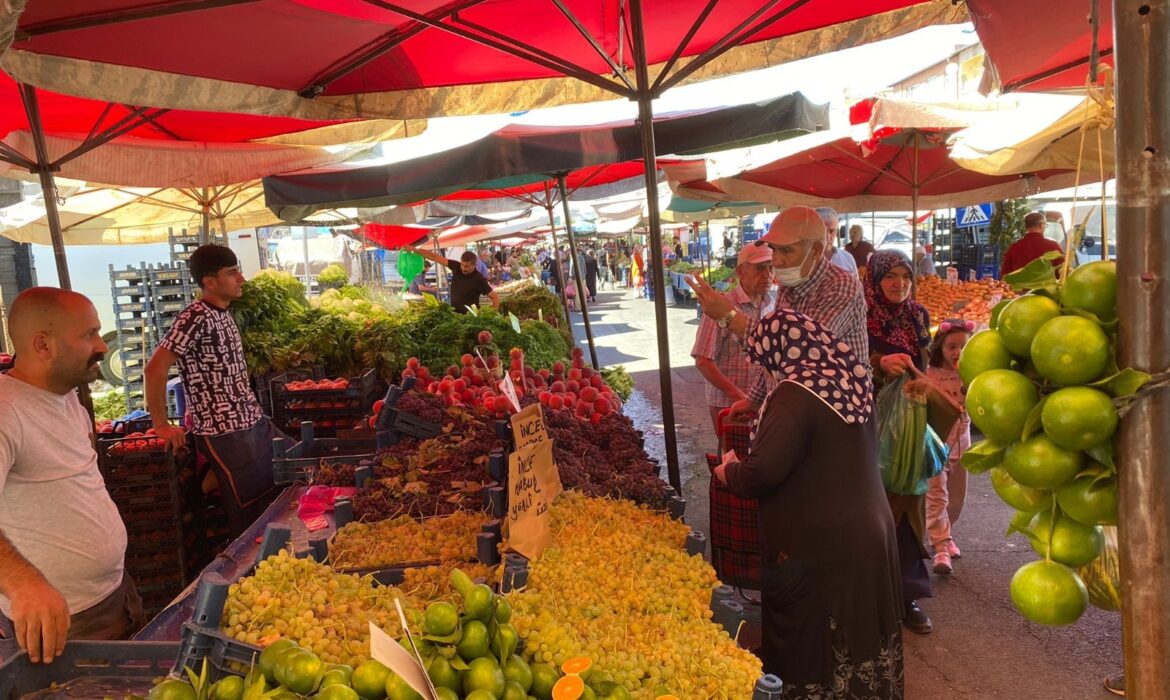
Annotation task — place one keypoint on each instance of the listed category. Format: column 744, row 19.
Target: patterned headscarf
column 906, row 324
column 794, row 348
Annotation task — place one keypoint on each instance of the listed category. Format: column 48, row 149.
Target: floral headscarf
column 794, row 348
column 904, row 325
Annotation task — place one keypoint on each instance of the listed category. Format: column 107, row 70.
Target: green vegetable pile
column 720, row 274
column 619, row 380
column 350, row 329
column 333, row 277
column 533, row 301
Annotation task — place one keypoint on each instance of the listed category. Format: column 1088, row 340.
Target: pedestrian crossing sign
column 976, row 215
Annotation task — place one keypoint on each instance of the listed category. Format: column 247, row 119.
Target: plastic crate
column 980, row 272
column 89, row 669
column 401, row 422
column 299, row 461
column 362, row 388
column 978, row 254
column 130, row 274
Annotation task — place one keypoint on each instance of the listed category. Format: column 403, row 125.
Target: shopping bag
column 909, row 451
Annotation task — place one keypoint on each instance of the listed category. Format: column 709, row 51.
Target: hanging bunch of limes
column 1043, row 387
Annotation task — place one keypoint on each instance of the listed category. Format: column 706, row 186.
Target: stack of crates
column 147, row 300
column 182, row 244
column 979, row 260
column 151, row 490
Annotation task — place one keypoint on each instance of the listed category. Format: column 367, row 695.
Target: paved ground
column 981, row 648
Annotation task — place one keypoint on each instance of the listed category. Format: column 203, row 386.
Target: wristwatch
column 728, row 318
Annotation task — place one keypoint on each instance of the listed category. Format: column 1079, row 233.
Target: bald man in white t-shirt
column 62, row 541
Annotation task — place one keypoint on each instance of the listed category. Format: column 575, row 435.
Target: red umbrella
column 1042, row 45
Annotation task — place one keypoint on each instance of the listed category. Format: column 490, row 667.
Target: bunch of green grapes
column 433, row 583
column 617, row 586
column 323, row 611
column 405, row 540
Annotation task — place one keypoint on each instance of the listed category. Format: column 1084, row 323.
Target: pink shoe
column 942, row 563
column 952, row 549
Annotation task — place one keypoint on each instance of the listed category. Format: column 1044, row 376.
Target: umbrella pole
column 552, row 221
column 582, row 291
column 649, row 155
column 44, row 171
column 205, row 231
column 1142, row 53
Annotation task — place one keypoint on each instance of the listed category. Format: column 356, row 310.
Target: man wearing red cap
column 809, row 284
column 719, row 355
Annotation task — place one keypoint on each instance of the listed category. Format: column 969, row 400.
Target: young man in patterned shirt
column 230, row 428
column 720, row 355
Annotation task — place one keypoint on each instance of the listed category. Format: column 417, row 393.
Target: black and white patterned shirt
column 215, row 376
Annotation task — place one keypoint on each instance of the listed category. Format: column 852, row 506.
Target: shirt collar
column 741, row 297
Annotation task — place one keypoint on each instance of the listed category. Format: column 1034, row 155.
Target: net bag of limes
column 909, row 451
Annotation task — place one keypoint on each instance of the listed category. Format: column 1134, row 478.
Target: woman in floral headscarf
column 831, row 601
column 899, row 334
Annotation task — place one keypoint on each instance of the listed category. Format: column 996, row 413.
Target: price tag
column 515, row 322
column 952, row 276
column 509, row 390
column 390, row 654
column 529, row 520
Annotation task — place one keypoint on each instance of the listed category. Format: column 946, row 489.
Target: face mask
column 791, row 276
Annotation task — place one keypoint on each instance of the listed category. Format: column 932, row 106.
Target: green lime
column 440, row 619
column 544, row 677
column 484, row 674
column 474, row 642
column 1023, row 498
column 443, row 675
column 398, row 689
column 446, row 694
column 479, row 603
column 336, row 691
column 1078, row 417
column 1089, row 501
column 513, row 691
column 336, row 674
column 1070, row 350
column 985, row 351
column 303, row 672
column 999, row 402
column 1022, row 318
column 1049, row 593
column 517, row 669
column 369, row 680
column 1092, row 287
column 1041, row 463
column 172, row 689
column 228, row 688
column 270, row 654
column 1073, row 544
column 503, row 610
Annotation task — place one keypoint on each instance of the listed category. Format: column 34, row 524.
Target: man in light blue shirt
column 838, row 256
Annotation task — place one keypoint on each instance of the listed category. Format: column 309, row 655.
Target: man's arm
column 711, row 373
column 40, row 615
column 156, row 398
column 495, row 299
column 427, row 254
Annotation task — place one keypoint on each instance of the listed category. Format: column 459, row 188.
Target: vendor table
column 234, row 562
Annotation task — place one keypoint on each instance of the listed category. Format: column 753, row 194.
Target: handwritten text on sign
column 528, row 499
column 528, row 429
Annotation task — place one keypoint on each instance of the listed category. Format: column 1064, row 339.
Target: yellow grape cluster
column 433, row 583
column 325, row 612
column 404, row 540
column 617, row 586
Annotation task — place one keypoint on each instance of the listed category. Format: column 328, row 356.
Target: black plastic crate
column 299, row 461
column 362, row 388
column 977, row 255
column 89, row 669
column 402, row 422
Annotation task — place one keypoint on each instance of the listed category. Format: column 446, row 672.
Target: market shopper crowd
column 810, row 366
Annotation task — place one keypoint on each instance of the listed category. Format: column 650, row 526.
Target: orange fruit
column 1070, row 350
column 1072, row 544
column 1079, row 417
column 999, row 402
column 1088, row 501
column 1021, row 319
column 983, row 352
column 1049, row 593
column 1023, row 498
column 1092, row 287
column 1041, row 463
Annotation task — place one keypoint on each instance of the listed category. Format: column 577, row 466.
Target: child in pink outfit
column 948, row 490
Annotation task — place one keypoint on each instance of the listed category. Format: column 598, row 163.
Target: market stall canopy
column 520, row 155
column 1056, row 132
column 1040, row 45
column 104, row 215
column 897, row 162
column 329, row 59
column 175, row 148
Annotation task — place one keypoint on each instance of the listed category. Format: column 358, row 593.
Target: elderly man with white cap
column 720, row 356
column 808, row 284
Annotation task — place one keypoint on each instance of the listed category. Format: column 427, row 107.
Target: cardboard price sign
column 529, row 519
column 528, row 429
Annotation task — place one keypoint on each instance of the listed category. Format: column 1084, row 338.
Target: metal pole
column 305, row 250
column 577, row 272
column 48, row 187
column 646, row 124
column 205, row 229
column 1142, row 53
column 552, row 222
